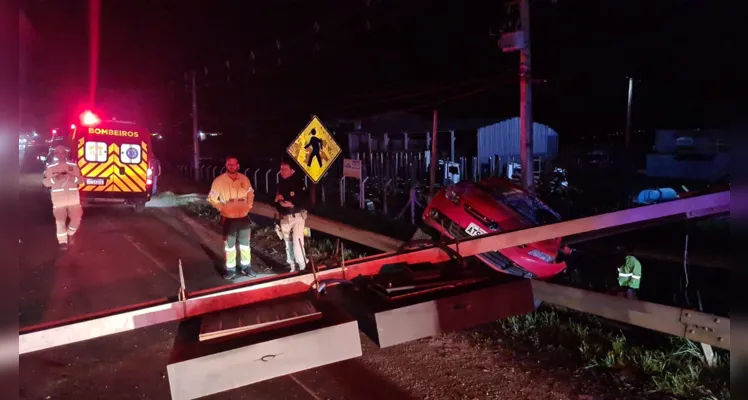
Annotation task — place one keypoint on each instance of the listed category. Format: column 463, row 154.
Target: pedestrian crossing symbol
column 314, row 150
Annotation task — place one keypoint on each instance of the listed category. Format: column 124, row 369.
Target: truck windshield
column 524, row 204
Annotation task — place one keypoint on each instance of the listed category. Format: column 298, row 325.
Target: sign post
column 352, row 168
column 314, row 150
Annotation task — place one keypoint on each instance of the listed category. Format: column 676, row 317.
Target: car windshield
column 524, row 204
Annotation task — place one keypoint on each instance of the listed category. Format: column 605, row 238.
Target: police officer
column 291, row 201
column 233, row 196
column 63, row 177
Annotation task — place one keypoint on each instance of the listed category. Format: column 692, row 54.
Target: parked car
column 497, row 205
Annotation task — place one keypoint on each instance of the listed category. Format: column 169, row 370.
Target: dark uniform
column 292, row 219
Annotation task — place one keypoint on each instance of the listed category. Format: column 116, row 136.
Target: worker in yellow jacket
column 63, row 177
column 233, row 196
column 629, row 276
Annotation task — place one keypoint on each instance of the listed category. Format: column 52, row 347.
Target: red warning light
column 89, row 118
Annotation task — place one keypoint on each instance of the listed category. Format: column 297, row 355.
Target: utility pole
column 525, row 98
column 195, row 138
column 432, row 166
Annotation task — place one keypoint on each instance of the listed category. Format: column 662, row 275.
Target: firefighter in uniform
column 63, row 177
column 233, row 196
column 290, row 200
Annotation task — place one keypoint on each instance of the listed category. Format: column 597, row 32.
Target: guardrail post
column 277, row 177
column 384, row 195
column 246, row 171
column 413, row 206
column 256, row 171
column 267, row 176
column 214, row 171
column 342, row 191
column 362, row 193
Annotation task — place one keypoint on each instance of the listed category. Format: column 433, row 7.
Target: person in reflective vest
column 63, row 177
column 233, row 196
column 629, row 276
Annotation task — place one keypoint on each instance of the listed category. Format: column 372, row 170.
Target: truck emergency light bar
column 60, row 333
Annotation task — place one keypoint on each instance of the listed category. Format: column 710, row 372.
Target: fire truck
column 115, row 159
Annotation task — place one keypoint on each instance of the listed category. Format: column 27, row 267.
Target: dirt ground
column 133, row 365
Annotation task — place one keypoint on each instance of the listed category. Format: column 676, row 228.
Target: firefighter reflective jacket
column 630, row 273
column 232, row 198
column 63, row 178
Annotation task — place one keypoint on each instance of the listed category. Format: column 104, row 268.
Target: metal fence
column 392, row 182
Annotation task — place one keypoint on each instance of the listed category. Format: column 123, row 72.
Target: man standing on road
column 63, row 177
column 291, row 199
column 233, row 196
column 156, row 171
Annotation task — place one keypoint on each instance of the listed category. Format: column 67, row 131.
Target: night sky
column 376, row 56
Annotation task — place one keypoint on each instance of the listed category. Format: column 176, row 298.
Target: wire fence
column 392, row 184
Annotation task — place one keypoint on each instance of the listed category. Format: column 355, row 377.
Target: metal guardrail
column 695, row 326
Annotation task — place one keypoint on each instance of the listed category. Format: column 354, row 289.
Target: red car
column 497, row 205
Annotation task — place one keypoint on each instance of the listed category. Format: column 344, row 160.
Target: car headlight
column 540, row 255
column 452, row 196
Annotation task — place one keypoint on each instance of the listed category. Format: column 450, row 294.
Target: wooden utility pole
column 195, row 138
column 525, row 98
column 432, row 166
column 313, row 194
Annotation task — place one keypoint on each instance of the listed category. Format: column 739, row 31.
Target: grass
column 322, row 250
column 672, row 366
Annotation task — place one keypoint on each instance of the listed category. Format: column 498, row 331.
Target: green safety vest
column 630, row 273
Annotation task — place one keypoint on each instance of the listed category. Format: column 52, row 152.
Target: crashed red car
column 497, row 205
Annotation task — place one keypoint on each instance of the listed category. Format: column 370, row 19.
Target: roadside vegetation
column 636, row 360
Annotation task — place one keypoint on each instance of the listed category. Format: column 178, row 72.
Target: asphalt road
column 120, row 258
column 123, row 258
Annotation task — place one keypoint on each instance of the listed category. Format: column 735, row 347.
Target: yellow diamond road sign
column 314, row 149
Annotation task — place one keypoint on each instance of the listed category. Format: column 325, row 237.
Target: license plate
column 474, row 230
column 95, row 181
column 539, row 254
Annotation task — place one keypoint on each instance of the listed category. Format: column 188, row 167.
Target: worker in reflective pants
column 291, row 200
column 233, row 196
column 629, row 276
column 63, row 177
